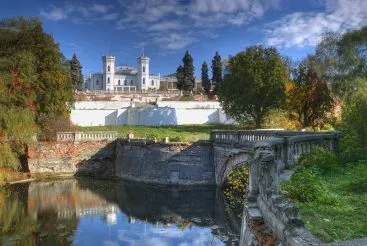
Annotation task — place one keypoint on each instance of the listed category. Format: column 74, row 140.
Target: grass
column 182, row 133
column 346, row 218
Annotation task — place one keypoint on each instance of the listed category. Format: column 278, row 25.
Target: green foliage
column 257, row 73
column 180, row 77
column 278, row 118
column 354, row 114
column 341, row 60
column 235, row 188
column 306, row 185
column 205, row 81
column 76, row 73
column 217, row 69
column 320, row 158
column 185, row 74
column 34, row 82
column 186, row 98
column 8, row 158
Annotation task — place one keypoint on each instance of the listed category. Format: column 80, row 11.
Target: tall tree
column 254, row 84
column 217, row 69
column 341, row 60
column 205, row 81
column 180, row 77
column 76, row 73
column 34, row 81
column 308, row 96
column 188, row 71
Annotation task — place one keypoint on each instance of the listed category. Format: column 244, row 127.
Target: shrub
column 2, row 180
column 8, row 158
column 235, row 187
column 54, row 124
column 356, row 178
column 305, row 185
column 320, row 158
column 186, row 98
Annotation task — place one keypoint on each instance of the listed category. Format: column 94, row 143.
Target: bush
column 2, row 180
column 235, row 187
column 305, row 185
column 8, row 158
column 354, row 114
column 186, row 98
column 320, row 158
column 54, row 124
column 356, row 178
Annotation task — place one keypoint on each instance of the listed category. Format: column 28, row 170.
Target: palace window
column 125, row 82
column 108, row 68
column 152, row 82
column 143, row 69
column 97, row 82
column 119, row 83
column 108, row 80
column 143, row 81
column 131, row 82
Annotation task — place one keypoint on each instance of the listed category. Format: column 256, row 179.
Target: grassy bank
column 189, row 133
column 332, row 196
column 346, row 218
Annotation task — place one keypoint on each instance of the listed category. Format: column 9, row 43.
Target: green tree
column 76, row 73
column 185, row 74
column 308, row 97
column 188, row 69
column 254, row 85
column 34, row 82
column 217, row 69
column 341, row 60
column 180, row 77
column 205, row 81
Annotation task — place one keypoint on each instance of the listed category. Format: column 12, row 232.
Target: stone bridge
column 271, row 156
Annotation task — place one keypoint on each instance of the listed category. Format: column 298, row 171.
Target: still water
column 99, row 212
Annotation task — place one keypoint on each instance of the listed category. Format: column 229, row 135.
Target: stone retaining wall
column 174, row 163
column 83, row 158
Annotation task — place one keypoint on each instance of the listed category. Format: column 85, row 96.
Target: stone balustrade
column 86, row 136
column 271, row 165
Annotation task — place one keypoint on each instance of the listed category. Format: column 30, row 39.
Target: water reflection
column 91, row 212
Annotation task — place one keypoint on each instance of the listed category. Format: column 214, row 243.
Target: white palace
column 123, row 78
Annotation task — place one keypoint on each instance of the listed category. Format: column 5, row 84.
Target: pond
column 99, row 212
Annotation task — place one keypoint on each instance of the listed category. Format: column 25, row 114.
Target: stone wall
column 82, row 158
column 174, row 163
column 171, row 163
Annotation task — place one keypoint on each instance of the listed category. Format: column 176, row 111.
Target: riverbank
column 182, row 133
column 9, row 177
column 331, row 195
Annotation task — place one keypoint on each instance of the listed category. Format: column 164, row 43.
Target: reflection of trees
column 26, row 228
column 47, row 213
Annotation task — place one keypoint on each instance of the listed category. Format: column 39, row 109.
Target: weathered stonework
column 174, row 163
column 82, row 158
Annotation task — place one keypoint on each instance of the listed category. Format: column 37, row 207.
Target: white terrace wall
column 101, row 113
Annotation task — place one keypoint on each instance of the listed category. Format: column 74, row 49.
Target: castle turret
column 143, row 73
column 108, row 72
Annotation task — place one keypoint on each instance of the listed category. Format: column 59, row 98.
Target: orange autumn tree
column 308, row 97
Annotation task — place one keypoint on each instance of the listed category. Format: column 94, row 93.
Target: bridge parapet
column 271, row 165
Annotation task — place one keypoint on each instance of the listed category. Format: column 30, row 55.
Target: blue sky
column 166, row 28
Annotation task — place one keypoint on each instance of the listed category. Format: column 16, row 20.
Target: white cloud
column 306, row 29
column 165, row 26
column 55, row 14
column 174, row 41
column 194, row 18
column 80, row 11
